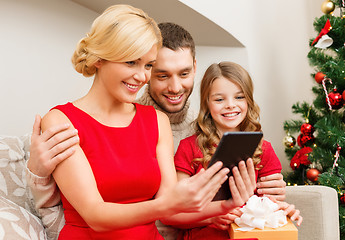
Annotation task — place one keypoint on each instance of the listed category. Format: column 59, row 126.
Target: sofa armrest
column 319, row 209
column 18, row 223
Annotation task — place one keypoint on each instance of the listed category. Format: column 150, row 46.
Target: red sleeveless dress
column 123, row 161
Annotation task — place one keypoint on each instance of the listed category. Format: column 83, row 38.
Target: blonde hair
column 206, row 130
column 122, row 33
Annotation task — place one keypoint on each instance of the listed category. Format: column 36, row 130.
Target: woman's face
column 122, row 80
column 227, row 105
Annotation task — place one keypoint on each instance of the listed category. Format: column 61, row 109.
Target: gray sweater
column 180, row 122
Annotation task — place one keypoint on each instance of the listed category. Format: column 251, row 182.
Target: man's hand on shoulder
column 50, row 148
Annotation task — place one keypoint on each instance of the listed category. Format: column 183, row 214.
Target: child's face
column 227, row 105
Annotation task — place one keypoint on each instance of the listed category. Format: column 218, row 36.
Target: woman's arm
column 217, row 217
column 242, row 185
column 186, row 221
column 193, row 194
column 47, row 150
column 75, row 173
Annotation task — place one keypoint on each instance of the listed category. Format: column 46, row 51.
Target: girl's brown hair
column 206, row 130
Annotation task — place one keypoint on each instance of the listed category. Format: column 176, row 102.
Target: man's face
column 172, row 78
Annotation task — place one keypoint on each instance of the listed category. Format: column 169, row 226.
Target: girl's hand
column 195, row 193
column 223, row 222
column 289, row 210
column 242, row 184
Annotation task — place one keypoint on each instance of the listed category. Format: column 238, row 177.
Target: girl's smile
column 231, row 114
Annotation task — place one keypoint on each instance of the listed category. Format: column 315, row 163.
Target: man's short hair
column 176, row 37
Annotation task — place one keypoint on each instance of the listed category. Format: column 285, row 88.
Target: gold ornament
column 327, row 7
column 289, row 141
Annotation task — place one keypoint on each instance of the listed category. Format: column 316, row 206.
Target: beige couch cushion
column 53, row 220
column 319, row 209
column 13, row 185
column 18, row 223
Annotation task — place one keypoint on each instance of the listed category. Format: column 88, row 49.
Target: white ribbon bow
column 260, row 212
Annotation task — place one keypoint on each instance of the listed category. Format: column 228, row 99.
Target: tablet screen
column 232, row 148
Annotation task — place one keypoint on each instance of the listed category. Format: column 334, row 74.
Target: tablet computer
column 232, row 148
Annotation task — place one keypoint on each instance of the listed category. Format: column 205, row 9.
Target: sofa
column 18, row 216
column 319, row 209
column 19, row 219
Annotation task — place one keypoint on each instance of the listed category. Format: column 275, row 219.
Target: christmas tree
column 318, row 155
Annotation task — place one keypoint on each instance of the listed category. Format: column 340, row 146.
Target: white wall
column 39, row 36
column 37, row 73
column 37, row 40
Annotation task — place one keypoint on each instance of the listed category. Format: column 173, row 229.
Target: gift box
column 286, row 232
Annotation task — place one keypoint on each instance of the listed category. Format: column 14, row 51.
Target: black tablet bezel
column 232, row 148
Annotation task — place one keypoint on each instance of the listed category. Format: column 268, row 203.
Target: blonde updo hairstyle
column 122, row 33
column 206, row 131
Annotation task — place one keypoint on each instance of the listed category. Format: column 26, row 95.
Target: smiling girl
column 226, row 105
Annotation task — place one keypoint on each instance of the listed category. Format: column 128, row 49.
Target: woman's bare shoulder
column 162, row 116
column 54, row 117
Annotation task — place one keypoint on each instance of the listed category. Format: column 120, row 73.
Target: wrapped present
column 262, row 219
column 286, row 232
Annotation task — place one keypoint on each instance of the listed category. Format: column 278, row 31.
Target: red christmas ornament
column 301, row 157
column 335, row 99
column 307, row 129
column 342, row 199
column 303, row 140
column 319, row 77
column 344, row 95
column 313, row 174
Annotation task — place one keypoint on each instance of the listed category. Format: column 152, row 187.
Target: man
column 172, row 80
column 168, row 90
